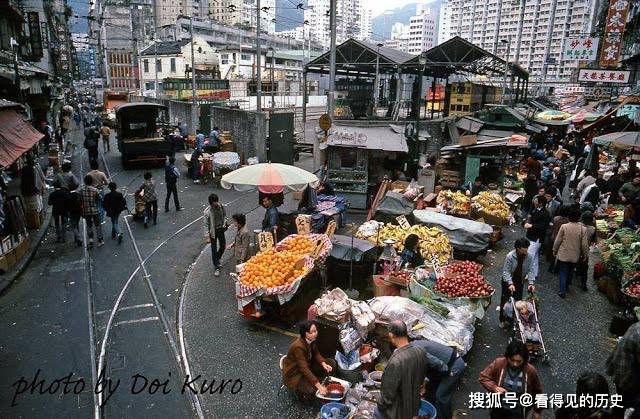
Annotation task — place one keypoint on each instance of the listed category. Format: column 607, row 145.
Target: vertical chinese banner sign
column 614, row 28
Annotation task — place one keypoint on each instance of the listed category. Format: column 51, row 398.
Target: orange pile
column 298, row 245
column 271, row 269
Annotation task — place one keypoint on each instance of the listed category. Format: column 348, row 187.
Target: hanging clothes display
column 14, row 211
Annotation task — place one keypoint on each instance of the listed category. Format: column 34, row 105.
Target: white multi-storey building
column 353, row 21
column 444, row 22
column 267, row 15
column 422, row 30
column 534, row 36
column 399, row 37
column 167, row 11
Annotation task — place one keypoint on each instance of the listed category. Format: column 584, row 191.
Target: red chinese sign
column 604, row 76
column 614, row 28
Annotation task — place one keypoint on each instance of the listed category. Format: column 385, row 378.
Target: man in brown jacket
column 304, row 367
column 512, row 373
column 570, row 246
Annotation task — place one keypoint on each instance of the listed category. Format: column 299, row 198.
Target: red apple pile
column 463, row 279
column 633, row 289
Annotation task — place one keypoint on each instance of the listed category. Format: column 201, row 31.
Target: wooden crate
column 21, row 249
column 450, row 178
column 228, row 146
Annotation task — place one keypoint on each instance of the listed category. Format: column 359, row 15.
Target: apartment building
column 353, row 20
column 167, row 11
column 533, row 31
column 267, row 15
column 399, row 37
column 422, row 30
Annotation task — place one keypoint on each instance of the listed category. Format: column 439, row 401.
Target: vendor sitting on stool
column 304, row 368
column 411, row 253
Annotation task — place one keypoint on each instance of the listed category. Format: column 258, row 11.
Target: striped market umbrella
column 269, row 178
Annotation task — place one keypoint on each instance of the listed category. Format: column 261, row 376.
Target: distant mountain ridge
column 382, row 23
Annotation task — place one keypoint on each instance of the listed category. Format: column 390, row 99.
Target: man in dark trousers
column 114, row 203
column 444, row 370
column 536, row 225
column 58, row 201
column 171, row 175
column 403, row 377
column 518, row 266
column 91, row 140
column 215, row 224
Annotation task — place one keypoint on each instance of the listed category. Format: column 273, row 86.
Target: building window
column 245, row 57
column 145, row 64
column 158, row 65
column 173, row 65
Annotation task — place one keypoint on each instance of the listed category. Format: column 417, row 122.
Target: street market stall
column 359, row 158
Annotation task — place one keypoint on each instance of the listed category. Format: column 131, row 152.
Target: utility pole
column 332, row 59
column 194, row 102
column 273, row 80
column 376, row 83
column 258, row 59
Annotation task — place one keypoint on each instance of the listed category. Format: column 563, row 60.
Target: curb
column 10, row 277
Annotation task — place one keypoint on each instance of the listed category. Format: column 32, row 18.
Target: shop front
column 359, row 158
column 21, row 185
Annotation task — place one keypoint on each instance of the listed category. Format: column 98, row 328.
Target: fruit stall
column 274, row 275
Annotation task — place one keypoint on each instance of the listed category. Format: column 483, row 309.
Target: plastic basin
column 427, row 408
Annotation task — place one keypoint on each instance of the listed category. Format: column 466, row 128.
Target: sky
column 379, row 6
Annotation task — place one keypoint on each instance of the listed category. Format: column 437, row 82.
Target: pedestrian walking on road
column 512, row 373
column 100, row 181
column 114, row 204
column 91, row 138
column 58, row 202
column 518, row 267
column 570, row 247
column 74, row 208
column 148, row 193
column 66, row 179
column 536, row 225
column 242, row 239
column 215, row 225
column 171, row 176
column 90, row 200
column 105, row 132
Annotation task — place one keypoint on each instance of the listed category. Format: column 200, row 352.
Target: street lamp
column 273, row 104
column 506, row 67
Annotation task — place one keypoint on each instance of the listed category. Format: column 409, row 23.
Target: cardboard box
column 7, row 260
column 33, row 219
column 468, row 140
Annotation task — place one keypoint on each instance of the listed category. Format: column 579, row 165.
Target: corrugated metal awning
column 16, row 136
column 470, row 124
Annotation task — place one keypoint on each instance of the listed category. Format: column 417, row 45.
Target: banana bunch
column 491, row 203
column 433, row 242
column 456, row 202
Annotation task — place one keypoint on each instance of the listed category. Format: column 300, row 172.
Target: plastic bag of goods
column 350, row 341
column 362, row 318
column 334, row 305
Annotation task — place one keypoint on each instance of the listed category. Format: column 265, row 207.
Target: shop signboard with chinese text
column 583, row 48
column 603, row 76
column 614, row 28
column 597, row 92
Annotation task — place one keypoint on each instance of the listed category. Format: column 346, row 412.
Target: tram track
column 178, row 350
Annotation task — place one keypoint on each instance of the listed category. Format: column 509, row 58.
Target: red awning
column 16, row 136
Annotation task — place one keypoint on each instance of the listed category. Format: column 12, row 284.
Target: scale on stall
column 388, row 258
